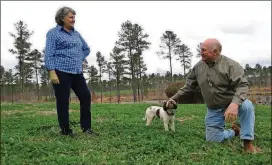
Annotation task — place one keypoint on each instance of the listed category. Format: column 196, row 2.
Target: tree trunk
column 37, row 84
column 133, row 78
column 170, row 58
column 154, row 88
column 100, row 89
column 140, row 79
column 184, row 68
column 22, row 78
column 118, row 91
column 138, row 88
column 110, row 93
column 12, row 98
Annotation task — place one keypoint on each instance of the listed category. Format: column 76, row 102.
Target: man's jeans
column 215, row 123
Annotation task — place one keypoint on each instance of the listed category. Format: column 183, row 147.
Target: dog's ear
column 164, row 106
column 175, row 106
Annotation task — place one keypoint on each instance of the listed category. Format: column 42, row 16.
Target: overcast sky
column 243, row 28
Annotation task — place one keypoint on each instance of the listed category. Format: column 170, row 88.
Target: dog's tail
column 144, row 118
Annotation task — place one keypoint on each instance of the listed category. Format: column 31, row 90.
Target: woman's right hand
column 53, row 77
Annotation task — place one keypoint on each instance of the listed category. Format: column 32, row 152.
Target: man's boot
column 248, row 146
column 236, row 128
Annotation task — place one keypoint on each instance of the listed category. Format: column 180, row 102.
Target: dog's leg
column 172, row 125
column 148, row 121
column 165, row 123
column 144, row 118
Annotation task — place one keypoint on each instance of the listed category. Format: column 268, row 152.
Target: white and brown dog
column 165, row 113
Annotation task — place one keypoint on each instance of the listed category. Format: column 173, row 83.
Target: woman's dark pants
column 77, row 83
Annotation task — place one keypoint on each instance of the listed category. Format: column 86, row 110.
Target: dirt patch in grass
column 46, row 113
column 182, row 119
column 37, row 139
column 100, row 119
column 49, row 113
column 43, row 113
column 7, row 113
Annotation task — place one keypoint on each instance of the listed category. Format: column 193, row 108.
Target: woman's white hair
column 61, row 13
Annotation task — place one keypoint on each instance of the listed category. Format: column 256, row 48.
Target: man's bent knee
column 247, row 106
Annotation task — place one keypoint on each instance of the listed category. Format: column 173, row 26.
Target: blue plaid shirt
column 65, row 51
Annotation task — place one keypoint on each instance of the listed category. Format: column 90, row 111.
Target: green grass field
column 30, row 136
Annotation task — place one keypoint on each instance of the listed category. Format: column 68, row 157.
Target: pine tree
column 169, row 41
column 102, row 63
column 21, row 48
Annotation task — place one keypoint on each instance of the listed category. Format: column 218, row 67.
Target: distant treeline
column 125, row 69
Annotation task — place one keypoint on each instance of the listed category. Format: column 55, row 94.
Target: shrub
column 173, row 88
column 190, row 98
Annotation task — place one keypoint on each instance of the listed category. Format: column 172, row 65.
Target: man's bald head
column 210, row 50
column 213, row 44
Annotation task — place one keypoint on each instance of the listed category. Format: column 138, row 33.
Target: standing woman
column 65, row 52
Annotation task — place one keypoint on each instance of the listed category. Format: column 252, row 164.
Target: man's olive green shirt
column 221, row 82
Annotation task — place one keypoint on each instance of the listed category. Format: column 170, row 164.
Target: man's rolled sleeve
column 239, row 84
column 190, row 85
column 50, row 49
column 237, row 100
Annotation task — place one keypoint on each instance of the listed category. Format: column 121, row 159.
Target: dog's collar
column 170, row 114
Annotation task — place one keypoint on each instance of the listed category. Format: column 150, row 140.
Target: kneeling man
column 224, row 89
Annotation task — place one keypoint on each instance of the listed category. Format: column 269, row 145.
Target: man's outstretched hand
column 231, row 113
